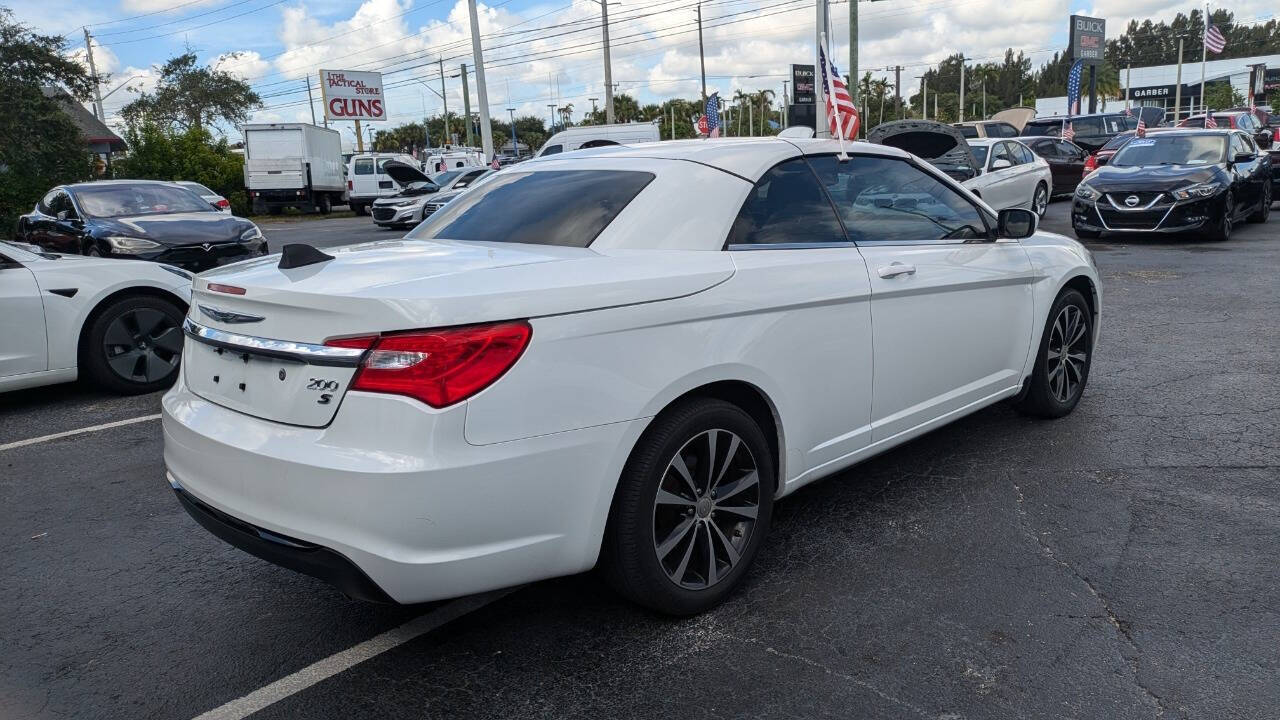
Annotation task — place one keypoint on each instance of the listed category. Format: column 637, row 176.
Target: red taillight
column 1090, row 164
column 1276, row 137
column 438, row 367
column 223, row 203
column 351, row 185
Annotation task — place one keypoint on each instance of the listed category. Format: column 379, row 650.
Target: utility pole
column 1093, row 89
column 1128, row 80
column 93, row 70
column 310, row 102
column 960, row 108
column 359, row 138
column 924, row 96
column 1177, row 88
column 984, row 98
column 783, row 110
column 444, row 98
column 552, row 107
column 853, row 52
column 515, row 146
column 593, row 107
column 482, row 92
column 466, row 102
column 897, row 86
column 702, row 60
column 820, row 127
column 608, row 70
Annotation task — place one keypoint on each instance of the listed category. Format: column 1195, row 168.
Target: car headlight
column 253, row 233
column 410, row 202
column 1199, row 190
column 123, row 244
column 1086, row 192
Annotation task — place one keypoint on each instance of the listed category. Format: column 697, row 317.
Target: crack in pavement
column 1121, row 626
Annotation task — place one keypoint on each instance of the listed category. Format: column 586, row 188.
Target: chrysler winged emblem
column 226, row 316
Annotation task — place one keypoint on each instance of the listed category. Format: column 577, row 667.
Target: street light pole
column 444, row 96
column 515, row 146
column 608, row 70
column 593, row 107
column 482, row 92
column 702, row 60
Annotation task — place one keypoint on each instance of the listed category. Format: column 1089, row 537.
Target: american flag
column 1073, row 87
column 1128, row 112
column 1142, row 127
column 1069, row 132
column 838, row 100
column 1214, row 42
column 713, row 115
column 1209, row 122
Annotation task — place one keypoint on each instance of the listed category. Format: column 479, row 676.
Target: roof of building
column 93, row 129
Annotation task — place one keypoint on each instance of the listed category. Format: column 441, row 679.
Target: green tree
column 1220, row 96
column 159, row 153
column 190, row 96
column 39, row 144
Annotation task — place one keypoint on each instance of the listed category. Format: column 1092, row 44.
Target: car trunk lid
column 396, row 285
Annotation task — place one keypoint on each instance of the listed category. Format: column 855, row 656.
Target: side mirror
column 1243, row 157
column 1016, row 223
column 1001, row 164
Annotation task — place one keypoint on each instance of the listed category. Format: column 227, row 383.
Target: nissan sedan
column 621, row 358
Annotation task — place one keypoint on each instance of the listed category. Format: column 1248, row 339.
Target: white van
column 367, row 181
column 451, row 158
column 588, row 136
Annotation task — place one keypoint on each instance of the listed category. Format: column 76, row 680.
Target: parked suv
column 1092, row 131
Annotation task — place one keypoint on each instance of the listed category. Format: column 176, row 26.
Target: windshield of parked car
column 1115, row 142
column 108, row 201
column 1172, row 150
column 980, row 153
column 553, row 207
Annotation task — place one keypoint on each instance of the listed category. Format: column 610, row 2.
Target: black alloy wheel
column 134, row 345
column 1264, row 208
column 691, row 510
column 1062, row 364
column 1222, row 230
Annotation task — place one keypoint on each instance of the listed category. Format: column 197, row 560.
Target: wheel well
column 104, row 302
column 1082, row 284
column 753, row 402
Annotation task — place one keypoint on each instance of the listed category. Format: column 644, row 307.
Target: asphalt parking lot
column 1118, row 563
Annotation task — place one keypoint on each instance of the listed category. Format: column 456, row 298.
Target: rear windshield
column 198, row 188
column 1115, row 142
column 968, row 131
column 554, row 207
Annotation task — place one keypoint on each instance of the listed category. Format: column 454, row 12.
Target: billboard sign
column 352, row 95
column 1088, row 39
column 802, row 82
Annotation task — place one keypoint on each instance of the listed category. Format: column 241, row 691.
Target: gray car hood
column 941, row 145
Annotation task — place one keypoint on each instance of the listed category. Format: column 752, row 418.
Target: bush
column 157, row 154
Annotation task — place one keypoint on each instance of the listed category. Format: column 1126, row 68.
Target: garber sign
column 350, row 95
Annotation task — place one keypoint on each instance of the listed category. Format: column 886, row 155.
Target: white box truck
column 293, row 165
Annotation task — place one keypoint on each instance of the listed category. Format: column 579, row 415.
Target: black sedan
column 1177, row 181
column 1066, row 161
column 142, row 220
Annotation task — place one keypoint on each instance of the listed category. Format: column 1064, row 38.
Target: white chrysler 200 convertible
column 621, row 356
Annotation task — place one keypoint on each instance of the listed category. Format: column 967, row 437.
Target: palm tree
column 740, row 98
column 763, row 99
column 566, row 114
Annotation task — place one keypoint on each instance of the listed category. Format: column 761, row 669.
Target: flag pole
column 829, row 88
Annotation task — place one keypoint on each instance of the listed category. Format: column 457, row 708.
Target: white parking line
column 324, row 669
column 80, row 431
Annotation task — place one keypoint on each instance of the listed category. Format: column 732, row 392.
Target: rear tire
column 133, row 345
column 324, row 205
column 1062, row 360
column 1264, row 209
column 691, row 510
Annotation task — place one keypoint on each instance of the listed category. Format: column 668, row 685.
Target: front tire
column 1062, row 361
column 1264, row 209
column 1222, row 231
column 134, row 345
column 691, row 510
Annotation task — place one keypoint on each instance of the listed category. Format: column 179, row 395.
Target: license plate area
column 265, row 386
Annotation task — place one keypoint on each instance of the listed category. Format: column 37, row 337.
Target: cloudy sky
column 539, row 52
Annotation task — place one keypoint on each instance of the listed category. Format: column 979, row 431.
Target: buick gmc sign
column 1088, row 39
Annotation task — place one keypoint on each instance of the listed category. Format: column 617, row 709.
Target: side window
column 61, row 203
column 1070, row 151
column 1239, row 144
column 1022, row 153
column 887, row 201
column 552, row 149
column 46, row 202
column 1088, row 126
column 786, row 206
column 364, row 166
column 1002, row 152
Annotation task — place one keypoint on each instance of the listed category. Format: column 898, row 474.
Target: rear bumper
column 294, row 554
column 393, row 489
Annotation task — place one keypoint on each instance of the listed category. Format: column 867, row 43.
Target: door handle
column 895, row 269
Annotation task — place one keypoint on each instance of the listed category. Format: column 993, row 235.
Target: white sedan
column 116, row 321
column 1012, row 175
column 622, row 357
